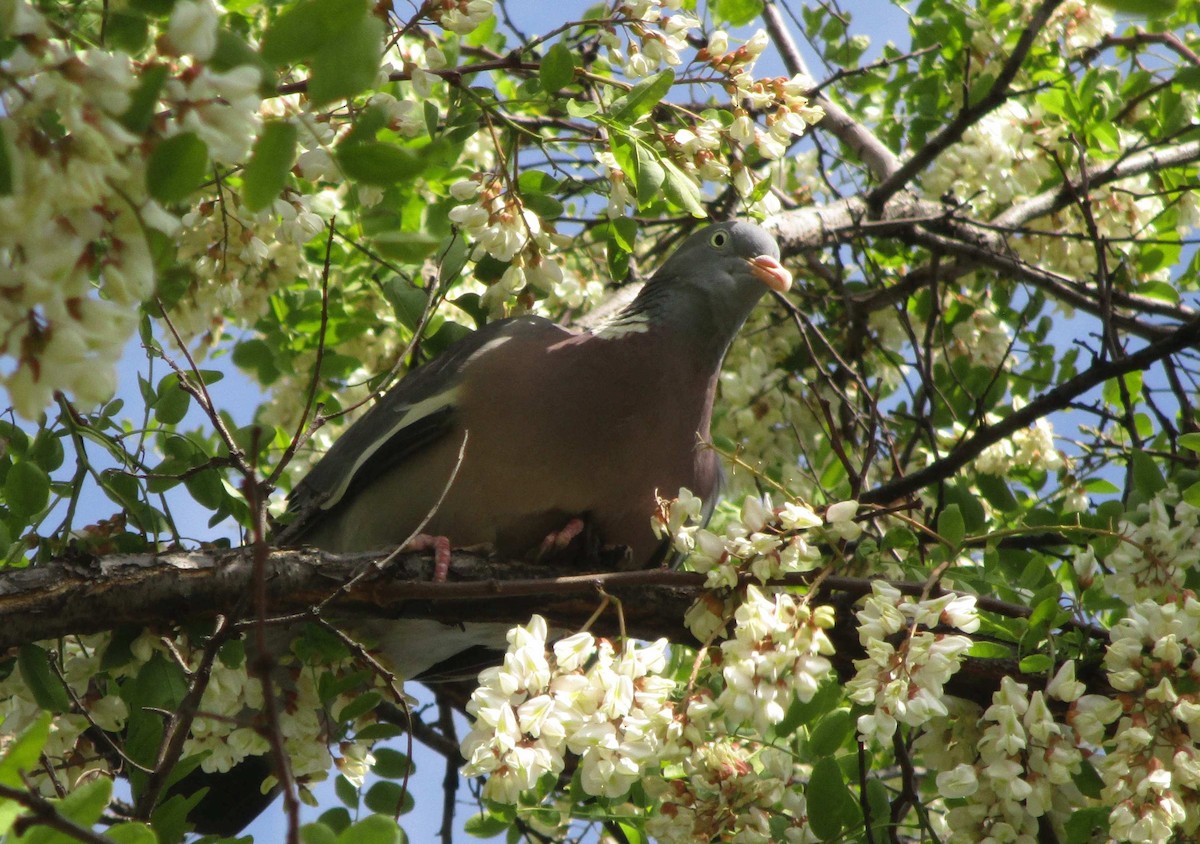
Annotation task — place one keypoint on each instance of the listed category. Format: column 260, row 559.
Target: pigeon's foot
column 440, row 546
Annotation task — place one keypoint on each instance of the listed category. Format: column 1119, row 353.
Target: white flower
column 840, row 518
column 794, row 516
column 192, row 29
column 958, row 782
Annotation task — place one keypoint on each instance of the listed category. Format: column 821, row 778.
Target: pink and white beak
column 771, row 273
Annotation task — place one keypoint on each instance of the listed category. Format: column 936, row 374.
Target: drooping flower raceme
column 608, row 707
column 778, row 653
column 903, row 683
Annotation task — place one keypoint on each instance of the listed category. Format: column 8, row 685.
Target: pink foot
column 440, row 545
column 560, row 539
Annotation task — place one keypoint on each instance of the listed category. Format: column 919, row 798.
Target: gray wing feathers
column 417, row 412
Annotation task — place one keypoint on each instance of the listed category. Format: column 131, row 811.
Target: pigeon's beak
column 771, row 273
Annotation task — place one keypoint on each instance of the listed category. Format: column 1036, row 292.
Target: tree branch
column 1049, row 401
column 969, row 115
column 881, row 161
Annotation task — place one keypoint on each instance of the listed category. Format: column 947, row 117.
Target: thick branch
column 1067, row 193
column 60, row 599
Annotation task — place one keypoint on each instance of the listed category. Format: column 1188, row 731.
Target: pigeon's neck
column 708, row 324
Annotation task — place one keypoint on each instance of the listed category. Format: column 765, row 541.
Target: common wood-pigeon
column 559, row 426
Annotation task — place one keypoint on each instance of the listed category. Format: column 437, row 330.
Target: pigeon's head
column 717, row 275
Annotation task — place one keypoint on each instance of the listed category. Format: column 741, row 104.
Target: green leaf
column 737, row 12
column 232, row 51
column 176, row 167
column 826, row 796
column 132, row 833
column 347, row 65
column 681, row 190
column 392, row 764
column 379, row 164
column 23, row 755
column 1149, row 9
column 318, row 833
column 1084, row 823
column 831, row 732
column 879, row 802
column 557, row 69
column 87, row 802
column 265, row 175
column 1101, row 486
column 26, row 489
column 1190, row 441
column 407, row 247
column 1088, row 780
column 257, row 356
column 996, row 492
column 618, row 258
column 126, row 31
column 642, row 98
column 899, row 537
column 1147, row 478
column 950, row 526
column 6, row 178
column 990, row 650
column 1192, row 494
column 346, row 791
column 650, row 174
column 373, row 829
column 388, row 798
column 304, row 29
column 485, row 825
column 360, row 706
column 171, row 402
column 624, row 233
column 544, row 205
column 581, row 108
column 1036, row 664
column 41, row 680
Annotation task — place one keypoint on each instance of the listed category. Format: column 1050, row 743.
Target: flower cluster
column 730, row 789
column 1160, row 545
column 74, row 249
column 74, row 261
column 1022, row 766
column 902, row 682
column 765, row 540
column 699, row 150
column 71, row 753
column 1030, row 448
column 224, row 731
column 777, row 655
column 658, row 39
column 1151, row 764
column 505, row 229
column 461, row 16
column 608, row 707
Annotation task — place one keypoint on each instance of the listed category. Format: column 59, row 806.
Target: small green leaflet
column 347, row 65
column 176, row 168
column 557, row 69
column 643, row 97
column 298, row 33
column 264, row 176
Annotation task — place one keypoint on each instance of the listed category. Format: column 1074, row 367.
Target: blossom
column 778, row 652
column 192, row 28
column 606, row 707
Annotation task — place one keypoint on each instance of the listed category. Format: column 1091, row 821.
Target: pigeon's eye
column 719, row 239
